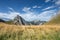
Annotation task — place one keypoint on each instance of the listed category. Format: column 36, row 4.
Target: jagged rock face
column 2, row 20
column 19, row 20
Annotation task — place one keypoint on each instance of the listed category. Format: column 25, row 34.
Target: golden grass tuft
column 32, row 32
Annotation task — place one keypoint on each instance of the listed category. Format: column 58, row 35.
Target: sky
column 30, row 10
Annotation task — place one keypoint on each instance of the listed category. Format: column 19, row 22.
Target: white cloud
column 39, row 7
column 57, row 2
column 11, row 15
column 53, row 0
column 47, row 0
column 11, row 8
column 2, row 15
column 29, row 16
column 36, row 6
column 25, row 9
column 48, row 8
column 47, row 15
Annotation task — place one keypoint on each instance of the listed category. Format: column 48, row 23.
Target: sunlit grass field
column 29, row 32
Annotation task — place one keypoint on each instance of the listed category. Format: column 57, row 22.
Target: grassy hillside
column 16, row 32
column 9, row 22
column 55, row 19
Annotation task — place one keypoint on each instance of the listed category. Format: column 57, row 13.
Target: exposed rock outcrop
column 18, row 20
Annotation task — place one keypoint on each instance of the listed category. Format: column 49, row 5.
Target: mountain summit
column 19, row 20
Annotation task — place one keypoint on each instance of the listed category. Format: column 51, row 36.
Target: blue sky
column 29, row 9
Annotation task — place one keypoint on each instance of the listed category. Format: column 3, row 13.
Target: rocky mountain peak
column 19, row 20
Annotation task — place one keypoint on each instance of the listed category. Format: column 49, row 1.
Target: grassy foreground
column 43, row 32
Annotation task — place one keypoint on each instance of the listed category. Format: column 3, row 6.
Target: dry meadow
column 29, row 32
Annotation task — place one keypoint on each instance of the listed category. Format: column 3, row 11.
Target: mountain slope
column 19, row 20
column 55, row 19
column 2, row 20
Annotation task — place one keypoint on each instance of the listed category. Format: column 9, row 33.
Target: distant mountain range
column 18, row 20
column 2, row 20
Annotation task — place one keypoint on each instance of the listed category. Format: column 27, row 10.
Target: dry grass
column 32, row 32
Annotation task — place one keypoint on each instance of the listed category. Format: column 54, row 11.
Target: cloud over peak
column 44, row 16
column 29, row 15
